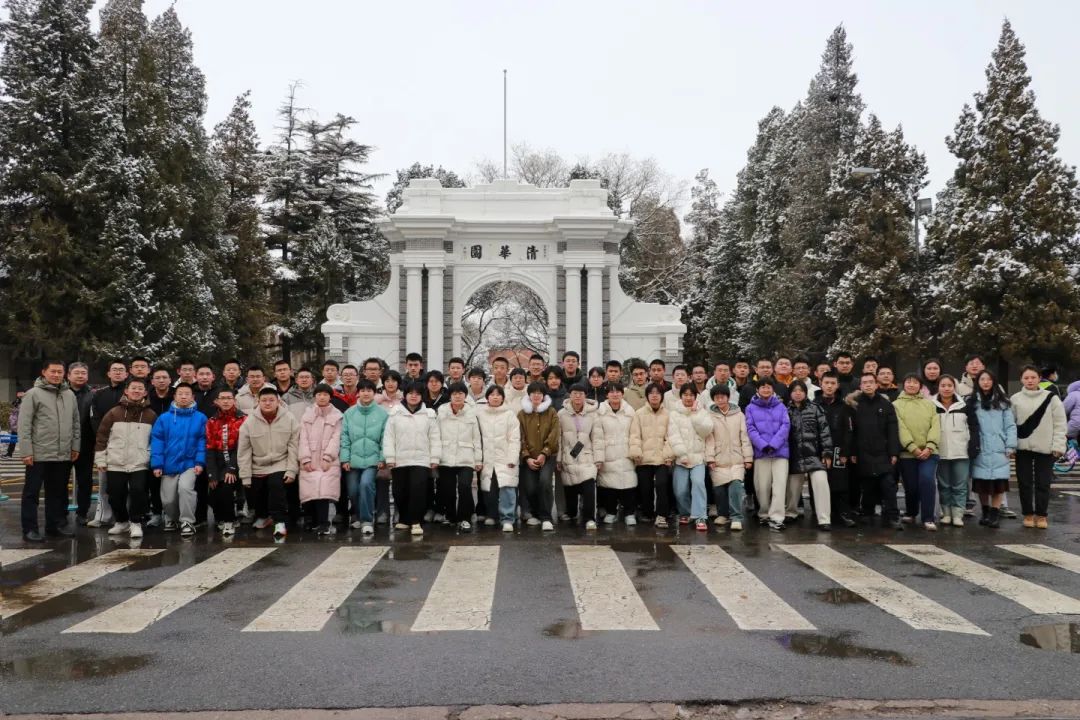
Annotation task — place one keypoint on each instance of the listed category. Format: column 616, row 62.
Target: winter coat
column 648, row 436
column 247, row 401
column 299, row 401
column 178, row 441
column 672, row 401
column 578, row 427
column 206, row 400
column 687, row 430
column 160, row 405
column 1048, row 437
column 1072, row 410
column 412, row 438
column 266, row 448
column 618, row 470
column 768, row 425
column 513, row 396
column 104, row 400
column 918, row 424
column 810, row 439
column 362, row 432
column 387, row 402
column 965, row 386
column 558, row 398
column 959, row 429
column 748, row 391
column 459, row 436
column 595, row 395
column 840, row 416
column 500, row 440
column 123, row 439
column 49, row 427
column 320, row 441
column 222, row 439
column 539, row 429
column 876, row 437
column 13, row 418
column 997, row 437
column 635, row 396
column 84, row 397
column 728, row 445
column 434, row 403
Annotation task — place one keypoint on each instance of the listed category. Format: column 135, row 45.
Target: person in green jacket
column 920, row 434
column 361, row 453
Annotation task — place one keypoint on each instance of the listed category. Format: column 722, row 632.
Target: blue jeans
column 729, row 499
column 952, row 483
column 690, row 491
column 361, row 485
column 507, row 504
column 920, row 486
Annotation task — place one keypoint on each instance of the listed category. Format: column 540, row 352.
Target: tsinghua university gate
column 448, row 243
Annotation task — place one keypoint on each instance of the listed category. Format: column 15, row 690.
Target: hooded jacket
column 248, row 401
column 49, row 427
column 768, row 425
column 362, row 431
column 267, row 447
column 178, row 441
column 459, row 437
column 1049, row 436
column 997, row 437
column 687, row 430
column 1072, row 410
column 614, row 452
column 320, row 441
column 539, row 429
column 299, row 400
column 810, row 439
column 728, row 445
column 876, row 436
column 917, row 423
column 635, row 396
column 123, row 438
column 412, row 438
column 579, row 427
column 223, row 437
column 649, row 436
column 959, row 429
column 500, row 442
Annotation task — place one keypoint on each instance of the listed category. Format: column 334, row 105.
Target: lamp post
column 922, row 206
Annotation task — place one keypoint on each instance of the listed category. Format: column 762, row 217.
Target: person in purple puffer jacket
column 1072, row 411
column 768, row 425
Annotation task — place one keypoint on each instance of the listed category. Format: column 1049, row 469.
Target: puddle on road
column 838, row 646
column 72, row 665
column 566, row 630
column 1060, row 637
column 837, row 596
column 386, row 627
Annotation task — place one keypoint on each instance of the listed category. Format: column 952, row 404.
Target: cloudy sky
column 684, row 82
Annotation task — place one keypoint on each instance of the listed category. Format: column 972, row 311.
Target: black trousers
column 125, row 488
column 586, row 493
column 321, row 511
column 84, row 480
column 537, row 487
column 654, row 491
column 840, row 506
column 269, row 495
column 455, row 493
column 614, row 498
column 410, row 492
column 880, row 488
column 605, row 501
column 202, row 496
column 153, row 493
column 225, row 497
column 53, row 477
column 382, row 494
column 1034, row 472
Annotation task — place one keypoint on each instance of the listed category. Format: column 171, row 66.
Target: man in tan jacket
column 268, row 457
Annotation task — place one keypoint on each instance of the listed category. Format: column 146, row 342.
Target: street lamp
column 864, row 172
column 923, row 206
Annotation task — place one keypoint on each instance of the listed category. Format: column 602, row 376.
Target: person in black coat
column 844, row 487
column 875, row 450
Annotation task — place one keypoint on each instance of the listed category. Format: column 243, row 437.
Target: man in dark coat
column 843, row 493
column 875, row 450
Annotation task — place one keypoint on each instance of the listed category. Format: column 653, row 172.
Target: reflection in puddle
column 1062, row 637
column 838, row 646
column 72, row 665
column 838, row 596
column 386, row 627
column 566, row 629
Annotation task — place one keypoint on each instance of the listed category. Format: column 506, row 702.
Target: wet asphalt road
column 536, row 651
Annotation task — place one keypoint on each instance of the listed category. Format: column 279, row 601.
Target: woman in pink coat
column 320, row 471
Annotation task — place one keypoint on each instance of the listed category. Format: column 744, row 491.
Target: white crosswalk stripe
column 1065, row 486
column 10, row 557
column 1034, row 597
column 749, row 602
column 68, row 579
column 312, row 601
column 139, row 612
column 915, row 609
column 463, row 593
column 1048, row 555
column 1070, row 492
column 604, row 594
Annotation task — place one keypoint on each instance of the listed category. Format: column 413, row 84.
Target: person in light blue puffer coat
column 990, row 468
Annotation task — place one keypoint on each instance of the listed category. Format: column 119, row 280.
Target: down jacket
column 810, row 439
column 768, row 425
column 266, row 447
column 579, row 427
column 49, row 427
column 412, row 438
column 320, row 442
column 1072, row 410
column 500, row 440
column 1049, row 436
column 959, row 429
column 123, row 437
column 539, row 429
column 876, row 437
column 840, row 416
column 997, row 438
column 649, row 436
column 614, row 452
column 178, row 441
column 459, row 436
column 362, row 429
column 728, row 445
column 918, row 424
column 687, row 430
column 222, row 439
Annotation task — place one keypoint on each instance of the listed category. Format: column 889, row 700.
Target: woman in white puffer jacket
column 687, row 429
column 617, row 473
column 459, row 457
column 500, row 436
column 411, row 446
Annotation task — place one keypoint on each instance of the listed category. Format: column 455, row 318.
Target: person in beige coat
column 268, row 456
column 500, row 439
column 1041, row 436
column 460, row 457
column 617, row 479
column 122, row 452
column 652, row 457
column 581, row 434
column 687, row 430
column 728, row 455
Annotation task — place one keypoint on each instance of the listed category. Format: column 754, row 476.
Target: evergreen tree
column 706, row 221
column 448, row 179
column 1005, row 232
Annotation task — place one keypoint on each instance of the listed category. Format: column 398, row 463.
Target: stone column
column 595, row 309
column 413, row 311
column 434, row 355
column 573, row 311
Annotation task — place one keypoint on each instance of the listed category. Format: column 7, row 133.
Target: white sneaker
column 356, row 525
column 95, row 523
column 367, row 529
column 946, row 519
column 401, row 526
column 490, row 522
column 720, row 521
column 228, row 529
column 507, row 526
column 590, row 524
column 429, row 516
column 262, row 523
column 439, row 518
column 532, row 522
column 135, row 531
column 564, row 518
column 465, row 526
column 630, row 520
column 712, row 511
column 187, row 529
column 610, row 519
column 736, row 525
column 280, row 530
column 958, row 519
column 416, row 530
column 154, row 521
column 119, row 528
column 660, row 522
column 547, row 526
column 170, row 526
column 931, row 527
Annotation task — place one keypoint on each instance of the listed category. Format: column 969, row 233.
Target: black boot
column 995, row 518
column 985, row 519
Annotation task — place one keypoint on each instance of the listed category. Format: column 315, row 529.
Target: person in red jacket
column 222, row 433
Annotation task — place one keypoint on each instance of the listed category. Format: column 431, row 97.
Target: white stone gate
column 447, row 243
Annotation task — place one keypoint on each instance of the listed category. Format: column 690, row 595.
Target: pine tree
column 1005, row 232
column 448, row 179
column 706, row 221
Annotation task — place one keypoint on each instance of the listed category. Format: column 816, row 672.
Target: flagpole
column 504, row 124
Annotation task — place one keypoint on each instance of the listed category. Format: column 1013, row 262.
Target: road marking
column 749, row 602
column 463, row 593
column 605, row 597
column 918, row 611
column 1069, row 492
column 1049, row 555
column 1034, row 597
column 139, row 612
column 1065, row 486
column 10, row 557
column 68, row 579
column 312, row 601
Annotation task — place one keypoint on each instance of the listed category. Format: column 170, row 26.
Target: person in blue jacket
column 178, row 456
column 997, row 445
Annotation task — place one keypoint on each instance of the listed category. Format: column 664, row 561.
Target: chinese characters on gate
column 476, row 252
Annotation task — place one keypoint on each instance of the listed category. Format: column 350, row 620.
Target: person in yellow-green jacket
column 920, row 434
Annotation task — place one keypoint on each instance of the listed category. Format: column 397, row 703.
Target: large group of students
column 368, row 446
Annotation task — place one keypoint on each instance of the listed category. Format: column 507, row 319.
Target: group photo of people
column 357, row 447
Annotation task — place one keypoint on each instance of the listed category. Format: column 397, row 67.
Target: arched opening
column 503, row 318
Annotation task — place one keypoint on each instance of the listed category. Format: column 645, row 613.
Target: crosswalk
column 463, row 598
